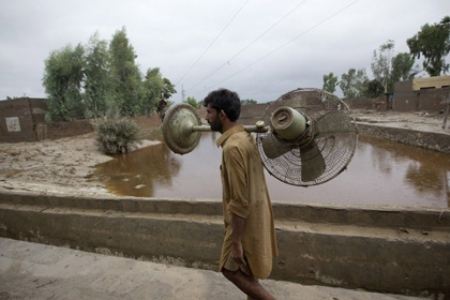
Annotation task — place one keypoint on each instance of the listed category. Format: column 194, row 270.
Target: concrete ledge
column 422, row 219
column 391, row 251
column 429, row 140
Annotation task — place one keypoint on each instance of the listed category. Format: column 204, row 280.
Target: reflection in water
column 381, row 174
column 139, row 173
column 426, row 171
column 425, row 180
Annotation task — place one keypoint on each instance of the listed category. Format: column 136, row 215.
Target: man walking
column 249, row 244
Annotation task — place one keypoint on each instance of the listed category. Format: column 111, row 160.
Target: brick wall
column 405, row 99
column 252, row 112
column 379, row 103
column 23, row 119
column 19, row 117
column 57, row 130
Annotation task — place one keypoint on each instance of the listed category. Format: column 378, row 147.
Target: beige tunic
column 245, row 194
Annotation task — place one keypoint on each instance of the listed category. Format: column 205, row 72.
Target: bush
column 117, row 135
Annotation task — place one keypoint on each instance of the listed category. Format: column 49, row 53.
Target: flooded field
column 381, row 174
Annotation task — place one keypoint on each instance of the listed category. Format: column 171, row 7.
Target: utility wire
column 212, row 43
column 228, row 61
column 290, row 41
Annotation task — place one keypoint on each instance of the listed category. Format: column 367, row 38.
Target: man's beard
column 216, row 126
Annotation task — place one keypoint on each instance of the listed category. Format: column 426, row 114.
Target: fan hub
column 287, row 123
column 178, row 128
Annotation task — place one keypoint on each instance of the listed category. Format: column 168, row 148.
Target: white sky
column 317, row 37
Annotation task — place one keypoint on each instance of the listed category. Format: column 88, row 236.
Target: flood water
column 381, row 174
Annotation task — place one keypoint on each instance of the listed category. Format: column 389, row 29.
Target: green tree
column 168, row 88
column 152, row 90
column 381, row 65
column 63, row 75
column 330, row 82
column 373, row 88
column 402, row 65
column 97, row 82
column 192, row 101
column 126, row 78
column 433, row 42
column 155, row 87
column 353, row 82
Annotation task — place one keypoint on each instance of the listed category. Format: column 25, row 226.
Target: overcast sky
column 259, row 48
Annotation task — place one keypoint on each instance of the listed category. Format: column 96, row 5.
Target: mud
column 54, row 166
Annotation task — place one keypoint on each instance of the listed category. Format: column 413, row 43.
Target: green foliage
column 101, row 80
column 352, row 83
column 192, row 102
column 155, row 87
column 125, row 75
column 152, row 90
column 117, row 135
column 433, row 42
column 62, row 80
column 248, row 101
column 330, row 82
column 373, row 88
column 168, row 88
column 97, row 81
column 402, row 65
column 381, row 65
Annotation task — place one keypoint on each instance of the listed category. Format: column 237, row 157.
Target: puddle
column 381, row 174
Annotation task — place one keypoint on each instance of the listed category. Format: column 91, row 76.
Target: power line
column 212, row 43
column 290, row 41
column 228, row 61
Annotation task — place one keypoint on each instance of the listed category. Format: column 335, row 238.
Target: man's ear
column 222, row 114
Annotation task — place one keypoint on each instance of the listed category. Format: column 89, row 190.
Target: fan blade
column 334, row 122
column 273, row 147
column 313, row 164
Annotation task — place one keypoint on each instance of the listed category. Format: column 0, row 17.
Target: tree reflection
column 425, row 179
column 137, row 173
column 428, row 171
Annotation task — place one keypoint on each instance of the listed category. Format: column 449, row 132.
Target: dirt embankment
column 420, row 121
column 53, row 166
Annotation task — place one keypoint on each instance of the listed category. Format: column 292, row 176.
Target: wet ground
column 35, row 271
column 381, row 174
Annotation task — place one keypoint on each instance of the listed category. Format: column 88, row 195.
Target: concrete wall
column 400, row 251
column 429, row 140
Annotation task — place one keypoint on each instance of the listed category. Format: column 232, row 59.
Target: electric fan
column 310, row 138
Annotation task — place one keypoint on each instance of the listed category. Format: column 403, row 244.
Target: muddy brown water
column 381, row 174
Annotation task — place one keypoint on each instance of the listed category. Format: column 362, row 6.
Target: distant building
column 421, row 94
column 435, row 82
column 21, row 119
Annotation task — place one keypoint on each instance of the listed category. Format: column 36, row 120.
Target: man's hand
column 237, row 253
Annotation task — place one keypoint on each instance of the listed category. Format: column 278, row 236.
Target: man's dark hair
column 226, row 100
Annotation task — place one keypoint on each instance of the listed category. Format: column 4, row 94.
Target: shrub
column 117, row 135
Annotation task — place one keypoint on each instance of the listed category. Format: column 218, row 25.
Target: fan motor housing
column 287, row 123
